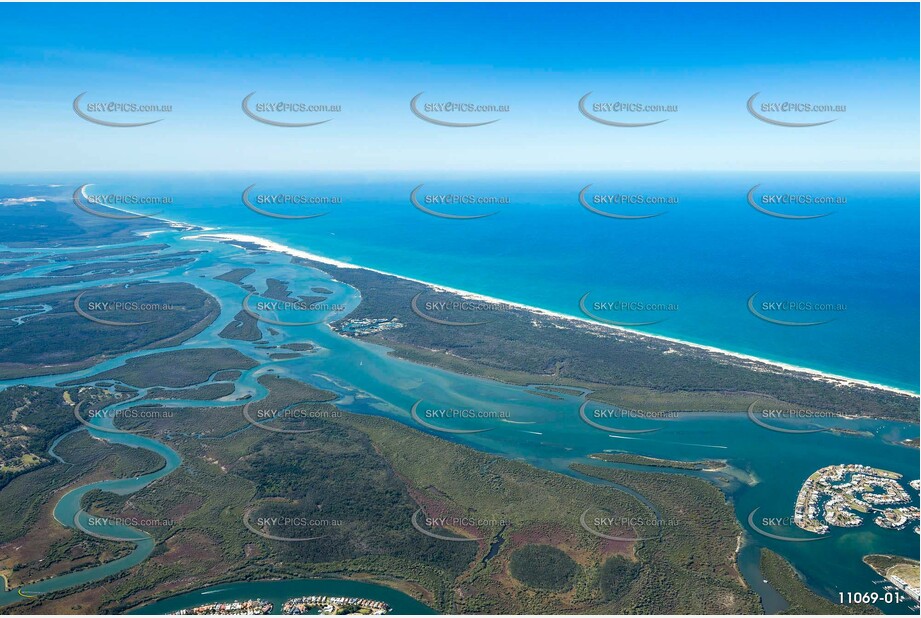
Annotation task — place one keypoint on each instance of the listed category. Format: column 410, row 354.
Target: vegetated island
column 857, row 433
column 707, row 465
column 62, row 340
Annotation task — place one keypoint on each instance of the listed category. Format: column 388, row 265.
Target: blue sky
column 538, row 59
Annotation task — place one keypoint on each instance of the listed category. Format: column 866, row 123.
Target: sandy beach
column 755, row 363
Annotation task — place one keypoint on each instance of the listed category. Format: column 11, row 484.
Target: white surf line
column 270, row 245
column 815, row 374
column 536, row 433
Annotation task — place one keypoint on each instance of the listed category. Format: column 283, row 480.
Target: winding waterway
column 765, row 469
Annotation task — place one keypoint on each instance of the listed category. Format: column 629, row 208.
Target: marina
column 841, row 495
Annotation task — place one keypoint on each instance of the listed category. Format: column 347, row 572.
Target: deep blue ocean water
column 765, row 469
column 707, row 254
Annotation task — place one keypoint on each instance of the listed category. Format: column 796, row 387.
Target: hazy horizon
column 371, row 61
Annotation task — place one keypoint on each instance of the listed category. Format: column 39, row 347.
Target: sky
column 537, row 59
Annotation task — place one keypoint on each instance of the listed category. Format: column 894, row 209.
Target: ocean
column 687, row 273
column 765, row 469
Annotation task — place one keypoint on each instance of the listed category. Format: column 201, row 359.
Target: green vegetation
column 111, row 251
column 559, row 389
column 236, row 275
column 30, row 419
column 177, row 369
column 76, row 551
column 123, row 267
column 61, row 340
column 43, row 547
column 882, row 563
column 541, row 506
column 55, row 220
column 215, row 390
column 616, row 576
column 802, row 600
column 12, row 268
column 243, row 327
column 906, row 569
column 622, row 369
column 229, row 375
column 544, row 567
column 361, row 478
column 299, row 347
column 97, row 272
column 641, row 460
column 23, row 497
column 691, row 566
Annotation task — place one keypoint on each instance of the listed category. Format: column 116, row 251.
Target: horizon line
column 462, row 171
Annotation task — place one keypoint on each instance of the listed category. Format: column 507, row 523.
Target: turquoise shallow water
column 707, row 254
column 766, row 468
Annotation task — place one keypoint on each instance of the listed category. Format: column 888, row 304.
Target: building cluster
column 911, row 589
column 837, row 495
column 253, row 607
column 897, row 518
column 334, row 605
column 368, row 326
